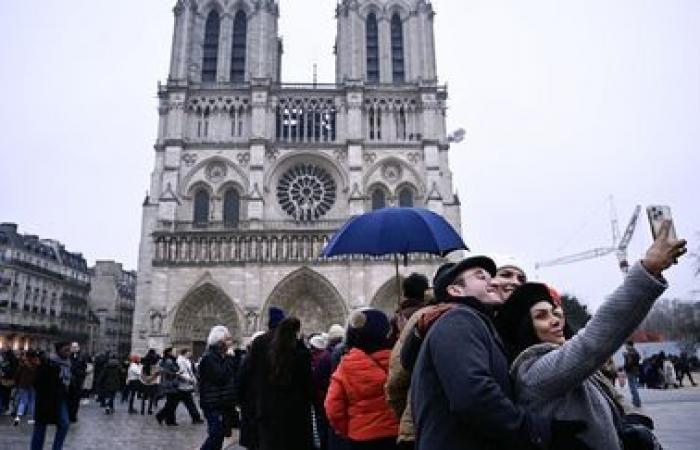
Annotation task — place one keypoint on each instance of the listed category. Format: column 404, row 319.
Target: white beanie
column 336, row 332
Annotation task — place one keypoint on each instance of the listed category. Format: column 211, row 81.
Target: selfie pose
column 558, row 375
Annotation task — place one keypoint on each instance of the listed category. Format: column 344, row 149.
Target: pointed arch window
column 378, row 199
column 210, row 49
column 406, row 197
column 397, row 50
column 232, row 208
column 201, row 207
column 238, row 49
column 372, row 36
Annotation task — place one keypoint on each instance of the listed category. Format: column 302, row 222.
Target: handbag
column 634, row 430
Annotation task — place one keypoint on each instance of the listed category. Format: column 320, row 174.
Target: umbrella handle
column 398, row 279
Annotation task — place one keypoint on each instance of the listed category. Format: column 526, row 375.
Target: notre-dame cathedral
column 252, row 176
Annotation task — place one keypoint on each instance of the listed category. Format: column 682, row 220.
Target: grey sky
column 564, row 103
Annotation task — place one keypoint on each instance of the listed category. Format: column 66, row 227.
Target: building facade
column 43, row 293
column 252, row 176
column 112, row 299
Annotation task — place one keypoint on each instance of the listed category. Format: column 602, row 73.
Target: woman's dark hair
column 283, row 349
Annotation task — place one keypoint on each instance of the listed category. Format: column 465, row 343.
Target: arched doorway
column 310, row 297
column 387, row 297
column 201, row 309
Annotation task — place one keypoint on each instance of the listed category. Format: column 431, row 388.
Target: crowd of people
column 482, row 359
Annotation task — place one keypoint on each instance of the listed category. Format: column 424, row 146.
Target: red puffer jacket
column 355, row 403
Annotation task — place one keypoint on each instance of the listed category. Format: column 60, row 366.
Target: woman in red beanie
column 355, row 403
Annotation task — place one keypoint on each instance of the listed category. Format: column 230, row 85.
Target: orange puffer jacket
column 355, row 403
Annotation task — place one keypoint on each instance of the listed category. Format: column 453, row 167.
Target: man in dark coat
column 217, row 386
column 460, row 390
column 53, row 380
column 78, row 374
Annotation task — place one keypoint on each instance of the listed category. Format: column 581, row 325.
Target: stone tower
column 252, row 176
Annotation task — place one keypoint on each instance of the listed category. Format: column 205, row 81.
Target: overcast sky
column 564, row 103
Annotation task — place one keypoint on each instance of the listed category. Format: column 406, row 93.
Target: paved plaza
column 676, row 413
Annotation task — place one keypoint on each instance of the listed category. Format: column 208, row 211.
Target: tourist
column 53, row 378
column 460, row 388
column 168, row 370
column 318, row 345
column 558, row 375
column 8, row 366
column 78, row 373
column 110, row 382
column 670, row 379
column 150, row 379
column 217, row 387
column 284, row 391
column 413, row 288
column 355, row 404
column 684, row 369
column 250, row 374
column 187, row 384
column 133, row 381
column 632, row 371
column 510, row 274
column 25, row 378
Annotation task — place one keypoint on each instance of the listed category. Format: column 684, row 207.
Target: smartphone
column 657, row 214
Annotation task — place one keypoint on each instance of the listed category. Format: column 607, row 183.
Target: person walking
column 52, row 382
column 78, row 374
column 187, row 384
column 25, row 377
column 355, row 404
column 217, row 386
column 632, row 367
column 133, row 381
column 150, row 379
column 169, row 381
column 8, row 367
column 684, row 369
column 110, row 383
column 559, row 375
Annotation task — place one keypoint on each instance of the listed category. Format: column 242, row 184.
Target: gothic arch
column 240, row 5
column 202, row 308
column 370, row 177
column 290, row 159
column 207, row 7
column 399, row 7
column 371, row 7
column 197, row 175
column 387, row 297
column 311, row 297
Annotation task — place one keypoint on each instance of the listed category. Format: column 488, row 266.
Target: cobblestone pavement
column 674, row 411
column 676, row 414
column 121, row 431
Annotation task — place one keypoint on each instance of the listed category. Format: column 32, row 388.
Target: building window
column 397, row 49
column 378, row 199
column 406, row 197
column 210, row 50
column 372, row 34
column 232, row 207
column 201, row 207
column 238, row 51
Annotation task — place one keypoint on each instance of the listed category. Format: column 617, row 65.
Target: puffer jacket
column 355, row 405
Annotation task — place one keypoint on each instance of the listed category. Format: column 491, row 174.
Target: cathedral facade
column 252, row 176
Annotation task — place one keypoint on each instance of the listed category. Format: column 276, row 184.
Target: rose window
column 306, row 192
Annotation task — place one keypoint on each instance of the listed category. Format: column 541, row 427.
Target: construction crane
column 619, row 248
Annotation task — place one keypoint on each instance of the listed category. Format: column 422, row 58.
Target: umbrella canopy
column 395, row 231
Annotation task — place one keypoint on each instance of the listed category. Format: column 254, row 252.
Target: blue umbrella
column 395, row 231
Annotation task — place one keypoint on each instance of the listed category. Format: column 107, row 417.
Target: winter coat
column 78, row 371
column 25, row 375
column 51, row 392
column 558, row 380
column 398, row 382
column 111, row 377
column 188, row 381
column 169, row 380
column 217, row 381
column 355, row 405
column 460, row 389
column 282, row 411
